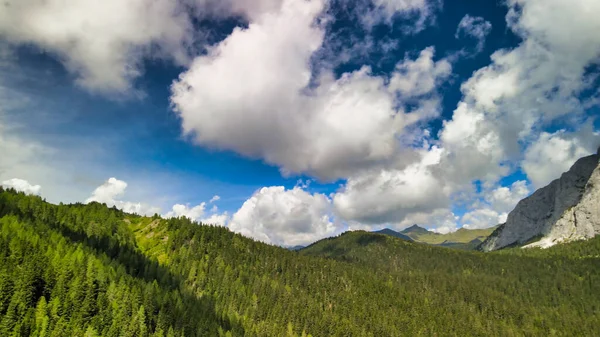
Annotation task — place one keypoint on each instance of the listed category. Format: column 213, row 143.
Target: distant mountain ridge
column 461, row 239
column 415, row 230
column 390, row 232
column 567, row 209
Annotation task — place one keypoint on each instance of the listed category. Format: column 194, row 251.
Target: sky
column 293, row 120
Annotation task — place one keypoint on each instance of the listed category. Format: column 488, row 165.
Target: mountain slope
column 387, row 231
column 461, row 239
column 62, row 275
column 75, row 270
column 565, row 210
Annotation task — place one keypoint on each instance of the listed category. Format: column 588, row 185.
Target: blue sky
column 305, row 118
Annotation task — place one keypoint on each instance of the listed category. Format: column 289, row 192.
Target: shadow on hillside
column 369, row 239
column 141, row 267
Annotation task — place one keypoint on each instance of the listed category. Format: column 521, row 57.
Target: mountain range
column 90, row 270
column 461, row 239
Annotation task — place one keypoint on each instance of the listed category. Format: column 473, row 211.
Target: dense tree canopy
column 90, row 270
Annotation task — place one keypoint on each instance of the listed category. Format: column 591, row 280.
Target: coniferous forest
column 90, row 270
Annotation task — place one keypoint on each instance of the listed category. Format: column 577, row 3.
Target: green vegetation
column 89, row 270
column 467, row 239
column 387, row 231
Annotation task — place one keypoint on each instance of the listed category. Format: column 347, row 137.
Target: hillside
column 74, row 270
column 467, row 239
column 387, row 231
column 362, row 247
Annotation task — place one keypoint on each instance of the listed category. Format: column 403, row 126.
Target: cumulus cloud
column 198, row 213
column 554, row 153
column 252, row 94
column 285, row 217
column 495, row 206
column 239, row 87
column 383, row 196
column 256, row 93
column 441, row 220
column 104, row 43
column 504, row 199
column 214, row 199
column 194, row 213
column 217, row 219
column 114, row 188
column 419, row 12
column 101, row 42
column 482, row 218
column 486, row 208
column 422, row 76
column 251, row 9
column 509, row 102
column 22, row 186
column 475, row 27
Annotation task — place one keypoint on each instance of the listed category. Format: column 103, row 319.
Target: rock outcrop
column 567, row 209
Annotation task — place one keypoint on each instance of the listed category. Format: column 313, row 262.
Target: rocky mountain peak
column 567, row 209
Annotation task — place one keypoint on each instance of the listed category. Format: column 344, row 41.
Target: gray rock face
column 567, row 209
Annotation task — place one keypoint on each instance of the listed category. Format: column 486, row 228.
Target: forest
column 90, row 270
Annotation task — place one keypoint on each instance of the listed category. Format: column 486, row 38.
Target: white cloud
column 382, row 196
column 239, row 88
column 285, row 217
column 194, row 213
column 101, row 42
column 113, row 188
column 106, row 192
column 440, row 220
column 421, row 76
column 420, row 12
column 22, row 186
column 413, row 196
column 198, row 213
column 104, row 43
column 475, row 27
column 216, row 219
column 495, row 206
column 251, row 95
column 508, row 103
column 504, row 199
column 251, row 9
column 474, row 147
column 482, row 218
column 254, row 94
column 554, row 153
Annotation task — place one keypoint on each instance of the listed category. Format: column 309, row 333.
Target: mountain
column 471, row 245
column 461, row 239
column 415, row 231
column 565, row 210
column 387, row 231
column 91, row 270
